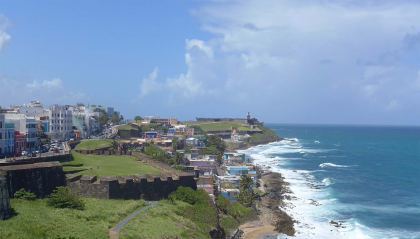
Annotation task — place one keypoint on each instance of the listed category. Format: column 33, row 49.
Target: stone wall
column 126, row 134
column 39, row 178
column 149, row 186
column 61, row 158
column 5, row 210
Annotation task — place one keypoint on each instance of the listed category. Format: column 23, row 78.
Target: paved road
column 125, row 220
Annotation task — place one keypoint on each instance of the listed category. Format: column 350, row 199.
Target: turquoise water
column 367, row 176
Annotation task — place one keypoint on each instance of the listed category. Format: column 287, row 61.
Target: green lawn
column 208, row 126
column 36, row 220
column 94, row 144
column 108, row 165
column 125, row 127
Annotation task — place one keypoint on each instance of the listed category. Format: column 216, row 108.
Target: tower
column 248, row 117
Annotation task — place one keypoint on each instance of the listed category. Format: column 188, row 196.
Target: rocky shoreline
column 272, row 220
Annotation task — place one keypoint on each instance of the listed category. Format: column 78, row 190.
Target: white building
column 32, row 109
column 84, row 119
column 110, row 111
column 61, row 121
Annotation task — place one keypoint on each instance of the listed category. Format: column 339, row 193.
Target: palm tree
column 245, row 182
column 178, row 157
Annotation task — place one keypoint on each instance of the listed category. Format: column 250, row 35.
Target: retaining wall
column 5, row 210
column 149, row 186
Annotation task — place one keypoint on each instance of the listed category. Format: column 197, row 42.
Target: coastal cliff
column 266, row 136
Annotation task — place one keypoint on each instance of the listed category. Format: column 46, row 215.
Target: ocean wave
column 327, row 181
column 324, row 165
column 317, row 142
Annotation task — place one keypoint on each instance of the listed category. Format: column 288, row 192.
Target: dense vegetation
column 157, row 153
column 62, row 197
column 34, row 219
column 107, row 165
column 267, row 136
column 125, row 127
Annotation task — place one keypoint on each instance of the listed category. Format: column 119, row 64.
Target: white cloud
column 19, row 91
column 149, row 84
column 46, row 84
column 4, row 37
column 189, row 44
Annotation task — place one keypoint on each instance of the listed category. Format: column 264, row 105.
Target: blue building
column 9, row 139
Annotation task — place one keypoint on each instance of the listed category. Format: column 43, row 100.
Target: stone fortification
column 5, row 210
column 39, row 178
column 149, row 186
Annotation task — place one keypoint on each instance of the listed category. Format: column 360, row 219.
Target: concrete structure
column 39, row 178
column 32, row 109
column 84, row 119
column 6, row 137
column 206, row 165
column 162, row 121
column 149, row 186
column 110, row 111
column 231, row 157
column 20, row 142
column 61, row 122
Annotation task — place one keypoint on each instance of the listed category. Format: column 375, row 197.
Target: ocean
column 365, row 177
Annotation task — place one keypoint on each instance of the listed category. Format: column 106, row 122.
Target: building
column 234, row 157
column 32, row 109
column 6, row 137
column 110, row 111
column 163, row 121
column 20, row 142
column 205, row 163
column 26, row 126
column 61, row 122
column 85, row 120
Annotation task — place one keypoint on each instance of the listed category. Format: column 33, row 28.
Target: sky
column 284, row 61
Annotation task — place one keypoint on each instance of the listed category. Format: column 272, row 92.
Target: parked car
column 24, row 153
column 32, row 154
column 55, row 150
column 71, row 139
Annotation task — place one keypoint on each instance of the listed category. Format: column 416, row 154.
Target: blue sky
column 304, row 61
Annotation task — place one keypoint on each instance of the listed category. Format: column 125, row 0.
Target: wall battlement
column 137, row 186
column 39, row 178
column 5, row 210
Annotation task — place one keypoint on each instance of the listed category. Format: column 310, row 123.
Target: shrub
column 23, row 194
column 186, row 194
column 244, row 214
column 225, row 206
column 64, row 198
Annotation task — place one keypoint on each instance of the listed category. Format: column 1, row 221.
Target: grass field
column 209, row 126
column 94, row 144
column 108, row 165
column 36, row 220
column 125, row 127
column 165, row 220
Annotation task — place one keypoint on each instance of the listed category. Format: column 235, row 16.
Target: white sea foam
column 313, row 209
column 317, row 142
column 324, row 165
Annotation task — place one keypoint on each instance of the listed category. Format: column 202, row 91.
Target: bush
column 244, row 214
column 25, row 195
column 186, row 194
column 64, row 198
column 225, row 206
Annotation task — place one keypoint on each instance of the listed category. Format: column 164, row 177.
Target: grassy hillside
column 35, row 219
column 94, row 144
column 209, row 126
column 108, row 165
column 267, row 136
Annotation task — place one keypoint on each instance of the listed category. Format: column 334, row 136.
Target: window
column 1, row 124
column 1, row 137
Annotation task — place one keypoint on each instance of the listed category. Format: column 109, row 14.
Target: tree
column 114, row 118
column 245, row 197
column 216, row 141
column 178, row 158
column 175, row 142
column 114, row 145
column 245, row 182
column 137, row 119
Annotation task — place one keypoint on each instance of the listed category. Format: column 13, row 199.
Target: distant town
column 83, row 153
